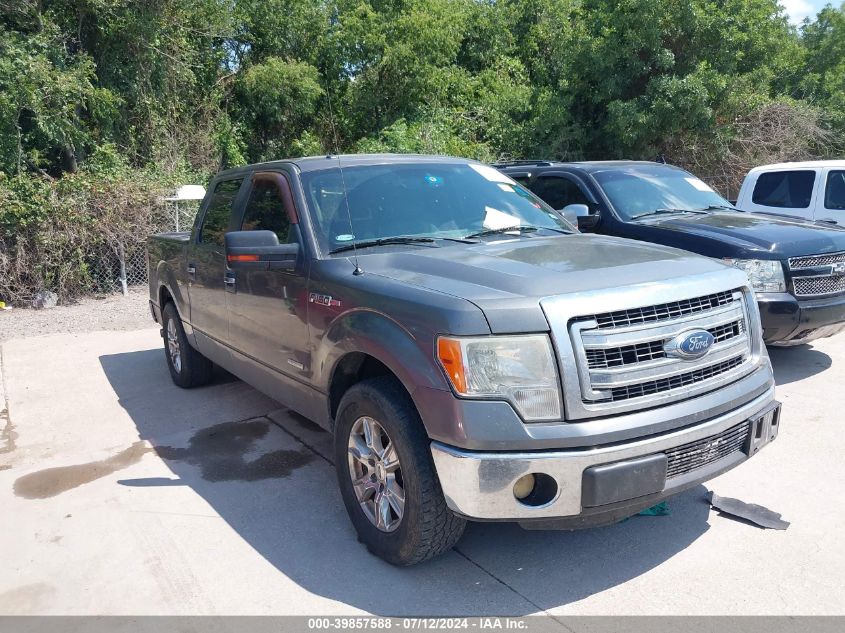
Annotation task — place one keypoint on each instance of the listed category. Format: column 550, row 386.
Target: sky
column 797, row 10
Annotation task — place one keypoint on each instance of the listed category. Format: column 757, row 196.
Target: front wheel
column 387, row 477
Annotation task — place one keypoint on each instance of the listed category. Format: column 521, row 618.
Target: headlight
column 519, row 369
column 765, row 275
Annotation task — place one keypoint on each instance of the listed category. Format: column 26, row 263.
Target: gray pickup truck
column 473, row 356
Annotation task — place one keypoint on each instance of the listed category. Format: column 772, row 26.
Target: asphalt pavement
column 123, row 494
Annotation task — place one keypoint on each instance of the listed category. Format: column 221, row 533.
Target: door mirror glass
column 581, row 215
column 577, row 210
column 259, row 250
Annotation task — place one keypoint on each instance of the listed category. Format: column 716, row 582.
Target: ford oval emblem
column 690, row 345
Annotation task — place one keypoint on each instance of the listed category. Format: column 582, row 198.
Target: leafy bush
column 54, row 233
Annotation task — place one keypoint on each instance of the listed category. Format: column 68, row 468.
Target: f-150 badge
column 323, row 300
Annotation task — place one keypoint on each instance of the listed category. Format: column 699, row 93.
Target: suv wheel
column 188, row 368
column 387, row 477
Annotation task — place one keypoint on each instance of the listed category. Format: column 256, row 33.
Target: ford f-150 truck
column 473, row 356
column 796, row 267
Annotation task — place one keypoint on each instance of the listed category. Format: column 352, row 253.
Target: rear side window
column 266, row 212
column 834, row 196
column 216, row 219
column 784, row 189
column 559, row 192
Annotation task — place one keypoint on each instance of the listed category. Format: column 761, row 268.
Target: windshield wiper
column 520, row 228
column 668, row 211
column 382, row 241
column 719, row 207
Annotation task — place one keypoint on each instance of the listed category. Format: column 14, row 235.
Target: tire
column 188, row 368
column 426, row 526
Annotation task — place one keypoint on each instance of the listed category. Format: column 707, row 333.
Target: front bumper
column 479, row 485
column 788, row 321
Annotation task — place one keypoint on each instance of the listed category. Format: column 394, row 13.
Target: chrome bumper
column 479, row 485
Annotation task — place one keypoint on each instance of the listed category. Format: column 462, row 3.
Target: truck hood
column 751, row 234
column 507, row 278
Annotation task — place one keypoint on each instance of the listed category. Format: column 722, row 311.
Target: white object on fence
column 184, row 193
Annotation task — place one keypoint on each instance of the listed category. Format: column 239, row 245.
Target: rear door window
column 217, row 216
column 265, row 211
column 834, row 195
column 784, row 189
column 559, row 191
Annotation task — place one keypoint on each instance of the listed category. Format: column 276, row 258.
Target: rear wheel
column 188, row 368
column 387, row 477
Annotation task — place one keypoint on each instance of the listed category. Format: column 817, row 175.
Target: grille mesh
column 673, row 382
column 806, row 286
column 625, row 355
column 661, row 312
column 651, row 350
column 816, row 260
column 726, row 331
column 688, row 457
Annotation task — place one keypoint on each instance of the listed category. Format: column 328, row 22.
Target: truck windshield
column 641, row 191
column 450, row 201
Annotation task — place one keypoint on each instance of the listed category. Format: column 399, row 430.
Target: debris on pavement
column 659, row 510
column 45, row 299
column 758, row 515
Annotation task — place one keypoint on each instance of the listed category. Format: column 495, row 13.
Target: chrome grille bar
column 811, row 261
column 680, row 380
column 660, row 312
column 604, row 358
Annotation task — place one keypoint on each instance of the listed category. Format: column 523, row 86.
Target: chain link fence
column 124, row 265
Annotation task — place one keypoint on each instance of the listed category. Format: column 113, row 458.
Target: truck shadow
column 282, row 499
column 792, row 364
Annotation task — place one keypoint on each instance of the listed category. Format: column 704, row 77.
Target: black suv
column 797, row 267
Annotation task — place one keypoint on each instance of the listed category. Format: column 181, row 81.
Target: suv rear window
column 784, row 189
column 216, row 219
column 834, row 196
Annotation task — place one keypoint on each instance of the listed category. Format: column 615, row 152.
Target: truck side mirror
column 581, row 215
column 259, row 250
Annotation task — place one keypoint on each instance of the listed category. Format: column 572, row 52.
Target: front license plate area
column 763, row 428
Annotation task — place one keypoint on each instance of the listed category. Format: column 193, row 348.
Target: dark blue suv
column 796, row 267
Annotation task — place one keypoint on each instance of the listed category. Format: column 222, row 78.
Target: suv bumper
column 788, row 321
column 600, row 485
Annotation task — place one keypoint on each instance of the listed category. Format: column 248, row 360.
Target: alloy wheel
column 376, row 474
column 173, row 348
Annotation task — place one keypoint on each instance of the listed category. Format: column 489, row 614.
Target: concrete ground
column 123, row 494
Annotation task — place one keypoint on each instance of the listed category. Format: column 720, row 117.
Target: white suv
column 814, row 190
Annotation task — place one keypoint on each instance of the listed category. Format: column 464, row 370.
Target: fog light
column 523, row 486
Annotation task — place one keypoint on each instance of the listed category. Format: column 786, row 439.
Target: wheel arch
column 371, row 345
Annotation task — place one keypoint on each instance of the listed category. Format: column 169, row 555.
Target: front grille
column 689, row 457
column 651, row 350
column 805, row 286
column 661, row 312
column 625, row 355
column 726, row 331
column 816, row 260
column 673, row 382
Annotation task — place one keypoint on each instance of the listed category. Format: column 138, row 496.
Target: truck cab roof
column 330, row 161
